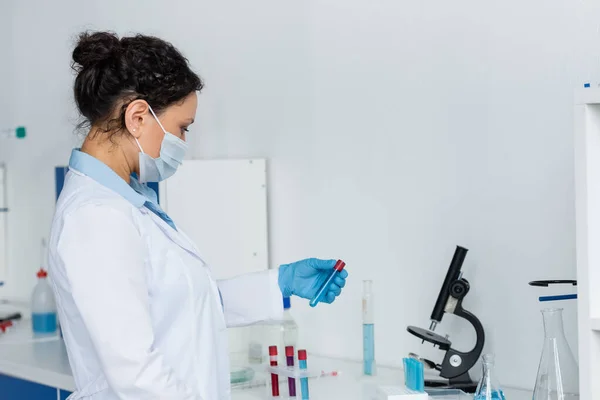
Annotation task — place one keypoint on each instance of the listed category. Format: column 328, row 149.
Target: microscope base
column 467, row 387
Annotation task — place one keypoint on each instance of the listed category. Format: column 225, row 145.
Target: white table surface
column 350, row 384
column 44, row 360
column 37, row 359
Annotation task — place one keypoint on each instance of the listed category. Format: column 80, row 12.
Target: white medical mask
column 172, row 152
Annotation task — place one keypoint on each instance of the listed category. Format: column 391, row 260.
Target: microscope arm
column 457, row 363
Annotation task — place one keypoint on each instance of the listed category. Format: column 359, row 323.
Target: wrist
column 285, row 280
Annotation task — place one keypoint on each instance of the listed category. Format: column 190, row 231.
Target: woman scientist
column 142, row 317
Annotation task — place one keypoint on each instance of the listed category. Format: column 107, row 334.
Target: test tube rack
column 284, row 373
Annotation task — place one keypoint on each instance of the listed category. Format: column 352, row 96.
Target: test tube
column 368, row 329
column 303, row 381
column 289, row 356
column 339, row 265
column 274, row 377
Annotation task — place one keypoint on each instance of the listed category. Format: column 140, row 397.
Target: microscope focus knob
column 459, row 288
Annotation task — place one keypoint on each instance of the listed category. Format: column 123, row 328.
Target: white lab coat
column 140, row 313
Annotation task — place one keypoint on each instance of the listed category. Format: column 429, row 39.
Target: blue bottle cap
column 586, row 85
column 287, row 303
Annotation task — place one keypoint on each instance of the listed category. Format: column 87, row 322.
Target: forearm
column 252, row 298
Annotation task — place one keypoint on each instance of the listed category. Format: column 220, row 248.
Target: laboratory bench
column 33, row 369
column 40, row 370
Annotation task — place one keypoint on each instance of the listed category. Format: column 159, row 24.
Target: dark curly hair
column 113, row 72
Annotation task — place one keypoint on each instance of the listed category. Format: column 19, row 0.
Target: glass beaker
column 558, row 373
column 488, row 387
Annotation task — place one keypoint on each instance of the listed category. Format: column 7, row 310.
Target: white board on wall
column 222, row 206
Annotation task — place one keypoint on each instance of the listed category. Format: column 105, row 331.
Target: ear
column 135, row 115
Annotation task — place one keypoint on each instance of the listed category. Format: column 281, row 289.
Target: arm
column 258, row 297
column 103, row 256
column 251, row 298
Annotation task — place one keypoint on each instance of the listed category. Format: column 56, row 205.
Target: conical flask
column 488, row 387
column 558, row 374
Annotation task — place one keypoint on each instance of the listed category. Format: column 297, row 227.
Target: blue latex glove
column 304, row 279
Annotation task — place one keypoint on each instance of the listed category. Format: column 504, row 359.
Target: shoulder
column 85, row 200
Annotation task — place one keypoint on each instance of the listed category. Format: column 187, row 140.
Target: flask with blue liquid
column 488, row 387
column 43, row 305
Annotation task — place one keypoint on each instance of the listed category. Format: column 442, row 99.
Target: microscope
column 456, row 364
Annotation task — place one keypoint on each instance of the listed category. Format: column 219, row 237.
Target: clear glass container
column 558, row 373
column 368, row 329
column 488, row 387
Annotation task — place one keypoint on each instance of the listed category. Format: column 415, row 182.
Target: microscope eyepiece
column 452, row 275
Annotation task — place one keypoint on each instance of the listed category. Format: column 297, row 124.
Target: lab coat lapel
column 190, row 242
column 176, row 236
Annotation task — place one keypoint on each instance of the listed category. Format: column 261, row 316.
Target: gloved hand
column 304, row 279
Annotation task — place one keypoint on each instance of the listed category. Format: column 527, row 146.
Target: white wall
column 6, row 108
column 395, row 130
column 6, row 72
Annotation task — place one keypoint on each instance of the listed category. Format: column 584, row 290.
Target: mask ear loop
column 157, row 120
column 159, row 124
column 139, row 145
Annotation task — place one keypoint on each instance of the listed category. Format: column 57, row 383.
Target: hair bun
column 94, row 48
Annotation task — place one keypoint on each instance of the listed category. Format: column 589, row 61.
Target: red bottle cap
column 272, row 350
column 42, row 273
column 339, row 265
column 5, row 325
column 289, row 351
column 302, row 355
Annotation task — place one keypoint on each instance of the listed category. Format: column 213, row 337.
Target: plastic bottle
column 43, row 306
column 19, row 132
column 289, row 328
column 280, row 334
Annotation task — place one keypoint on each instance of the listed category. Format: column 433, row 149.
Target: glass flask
column 488, row 387
column 558, row 373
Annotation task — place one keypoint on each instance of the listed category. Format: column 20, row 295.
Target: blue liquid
column 496, row 395
column 303, row 381
column 44, row 322
column 368, row 348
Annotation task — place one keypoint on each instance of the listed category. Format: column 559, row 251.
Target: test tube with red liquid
column 289, row 357
column 274, row 377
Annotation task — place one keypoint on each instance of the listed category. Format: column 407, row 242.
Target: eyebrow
column 191, row 120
